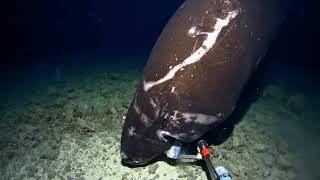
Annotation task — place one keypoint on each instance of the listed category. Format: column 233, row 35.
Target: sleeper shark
column 196, row 72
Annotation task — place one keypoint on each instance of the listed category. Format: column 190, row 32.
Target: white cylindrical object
column 174, row 152
column 223, row 173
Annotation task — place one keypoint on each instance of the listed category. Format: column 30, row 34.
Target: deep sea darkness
column 46, row 28
column 41, row 29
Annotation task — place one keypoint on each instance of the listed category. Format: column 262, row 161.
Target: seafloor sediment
column 71, row 129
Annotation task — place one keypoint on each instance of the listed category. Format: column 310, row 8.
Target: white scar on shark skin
column 161, row 135
column 197, row 118
column 199, row 53
column 143, row 117
column 135, row 105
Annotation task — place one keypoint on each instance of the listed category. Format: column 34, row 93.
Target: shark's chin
column 131, row 162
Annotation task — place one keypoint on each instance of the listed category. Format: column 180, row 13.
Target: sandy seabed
column 71, row 129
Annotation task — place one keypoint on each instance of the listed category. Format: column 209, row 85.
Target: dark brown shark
column 196, row 72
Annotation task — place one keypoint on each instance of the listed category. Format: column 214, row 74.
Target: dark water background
column 46, row 38
column 40, row 31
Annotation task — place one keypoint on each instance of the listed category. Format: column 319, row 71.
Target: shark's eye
column 169, row 139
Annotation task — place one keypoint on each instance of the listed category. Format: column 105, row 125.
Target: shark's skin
column 196, row 71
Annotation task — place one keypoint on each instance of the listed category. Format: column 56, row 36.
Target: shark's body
column 196, row 71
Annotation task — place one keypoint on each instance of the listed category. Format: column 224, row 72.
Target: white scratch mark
column 178, row 136
column 198, row 54
column 135, row 106
column 153, row 104
column 199, row 118
column 172, row 89
column 146, row 121
column 161, row 135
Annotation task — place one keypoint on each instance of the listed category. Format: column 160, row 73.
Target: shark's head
column 138, row 148
column 141, row 139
